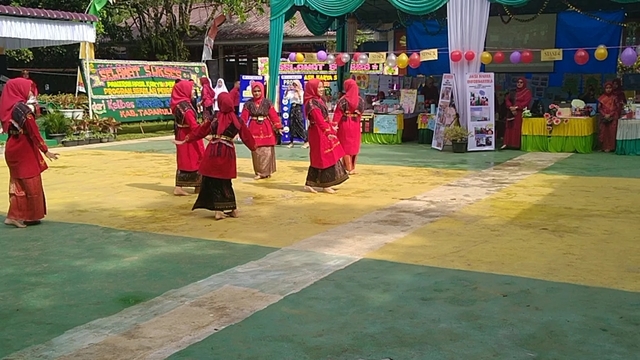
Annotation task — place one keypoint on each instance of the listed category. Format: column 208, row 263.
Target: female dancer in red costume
column 207, row 98
column 347, row 116
column 188, row 157
column 27, row 204
column 609, row 109
column 325, row 152
column 263, row 123
column 218, row 165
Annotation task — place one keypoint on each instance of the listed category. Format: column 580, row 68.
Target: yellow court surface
column 133, row 191
column 581, row 230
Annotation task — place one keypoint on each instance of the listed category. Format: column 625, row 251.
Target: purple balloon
column 515, row 57
column 628, row 57
column 322, row 55
column 292, row 57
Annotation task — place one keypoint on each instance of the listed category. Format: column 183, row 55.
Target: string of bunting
column 628, row 57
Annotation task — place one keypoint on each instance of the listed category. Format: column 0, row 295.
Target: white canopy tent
column 27, row 28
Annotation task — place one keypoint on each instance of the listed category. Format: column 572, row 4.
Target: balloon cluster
column 402, row 61
column 581, row 56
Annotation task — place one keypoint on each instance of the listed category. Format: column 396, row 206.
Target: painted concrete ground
column 423, row 255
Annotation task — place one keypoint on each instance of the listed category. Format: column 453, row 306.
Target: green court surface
column 57, row 276
column 378, row 309
column 422, row 255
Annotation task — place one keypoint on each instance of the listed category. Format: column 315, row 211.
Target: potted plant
column 67, row 104
column 81, row 104
column 111, row 126
column 458, row 136
column 70, row 140
column 55, row 125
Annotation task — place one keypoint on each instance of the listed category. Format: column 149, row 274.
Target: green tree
column 158, row 28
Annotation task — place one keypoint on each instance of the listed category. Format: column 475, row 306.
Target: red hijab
column 181, row 92
column 523, row 95
column 311, row 91
column 227, row 114
column 352, row 94
column 258, row 85
column 608, row 101
column 15, row 91
column 207, row 90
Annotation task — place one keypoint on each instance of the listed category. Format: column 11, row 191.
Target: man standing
column 235, row 96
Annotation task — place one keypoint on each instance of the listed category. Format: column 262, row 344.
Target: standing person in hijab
column 295, row 95
column 516, row 101
column 219, row 166
column 325, row 152
column 235, row 96
column 188, row 157
column 263, row 123
column 347, row 116
column 609, row 110
column 27, row 203
column 220, row 88
column 207, row 98
column 618, row 91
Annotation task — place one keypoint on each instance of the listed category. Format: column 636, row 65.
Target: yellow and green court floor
column 422, row 255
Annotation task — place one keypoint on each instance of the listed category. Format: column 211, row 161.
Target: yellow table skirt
column 575, row 127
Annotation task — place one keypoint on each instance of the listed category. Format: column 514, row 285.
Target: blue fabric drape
column 428, row 34
column 574, row 30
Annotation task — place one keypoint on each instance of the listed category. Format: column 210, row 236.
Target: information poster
column 385, row 124
column 285, row 104
column 134, row 91
column 245, row 87
column 480, row 88
column 445, row 114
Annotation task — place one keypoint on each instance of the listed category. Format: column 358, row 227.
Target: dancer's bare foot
column 305, row 145
column 178, row 191
column 329, row 190
column 234, row 213
column 353, row 172
column 503, row 147
column 310, row 189
column 260, row 177
column 290, row 146
column 220, row 215
column 13, row 222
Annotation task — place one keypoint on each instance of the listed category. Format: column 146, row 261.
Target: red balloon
column 469, row 55
column 581, row 57
column 414, row 60
column 339, row 61
column 526, row 57
column 355, row 57
column 498, row 58
column 456, row 55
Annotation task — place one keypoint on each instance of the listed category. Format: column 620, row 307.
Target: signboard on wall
column 445, row 114
column 285, row 104
column 133, row 91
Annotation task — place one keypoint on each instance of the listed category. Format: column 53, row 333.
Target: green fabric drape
column 384, row 139
column 628, row 147
column 316, row 23
column 415, row 7
column 558, row 144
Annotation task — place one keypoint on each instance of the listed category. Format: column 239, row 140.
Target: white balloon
column 391, row 60
column 345, row 58
column 331, row 59
column 363, row 59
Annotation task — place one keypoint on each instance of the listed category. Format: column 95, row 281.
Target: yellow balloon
column 601, row 53
column 299, row 57
column 402, row 61
column 486, row 57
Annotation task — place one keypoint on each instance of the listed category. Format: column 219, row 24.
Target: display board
column 133, row 91
column 445, row 114
column 480, row 103
column 285, row 105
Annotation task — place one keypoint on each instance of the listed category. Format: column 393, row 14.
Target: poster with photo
column 445, row 114
column 480, row 102
column 285, row 106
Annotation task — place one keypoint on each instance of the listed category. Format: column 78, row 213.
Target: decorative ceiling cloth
column 22, row 32
column 22, row 27
column 282, row 9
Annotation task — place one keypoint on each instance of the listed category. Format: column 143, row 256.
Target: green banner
column 133, row 91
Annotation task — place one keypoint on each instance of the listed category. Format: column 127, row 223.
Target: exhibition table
column 426, row 125
column 382, row 129
column 628, row 137
column 578, row 135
